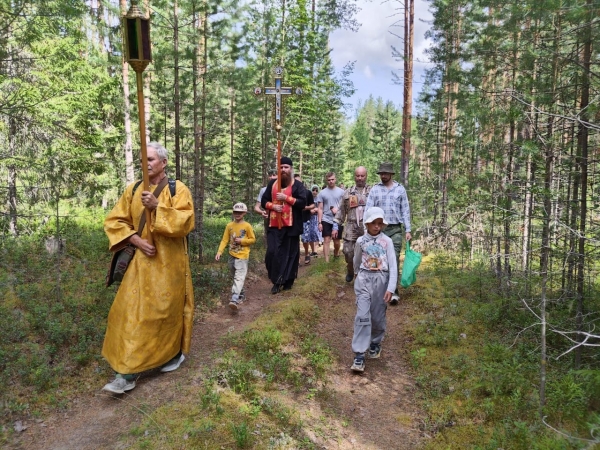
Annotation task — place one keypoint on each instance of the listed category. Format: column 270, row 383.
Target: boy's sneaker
column 234, row 305
column 374, row 351
column 173, row 364
column 394, row 300
column 359, row 363
column 119, row 385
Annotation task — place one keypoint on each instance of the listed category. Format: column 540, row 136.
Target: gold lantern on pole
column 136, row 34
column 138, row 53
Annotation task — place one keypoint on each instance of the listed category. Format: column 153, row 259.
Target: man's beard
column 361, row 184
column 286, row 178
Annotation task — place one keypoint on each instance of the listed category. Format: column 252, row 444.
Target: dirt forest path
column 377, row 409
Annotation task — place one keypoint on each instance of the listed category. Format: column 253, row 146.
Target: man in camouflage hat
column 351, row 212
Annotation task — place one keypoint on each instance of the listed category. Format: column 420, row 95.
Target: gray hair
column 160, row 150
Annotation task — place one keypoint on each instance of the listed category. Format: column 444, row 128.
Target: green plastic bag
column 412, row 260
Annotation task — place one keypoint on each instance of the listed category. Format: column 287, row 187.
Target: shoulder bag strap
column 156, row 193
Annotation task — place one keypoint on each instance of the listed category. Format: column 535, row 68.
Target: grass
column 53, row 310
column 473, row 351
column 243, row 401
column 479, row 379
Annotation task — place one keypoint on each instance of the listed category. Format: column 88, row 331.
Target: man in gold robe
column 150, row 321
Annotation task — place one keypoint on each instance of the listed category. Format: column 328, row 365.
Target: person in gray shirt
column 329, row 202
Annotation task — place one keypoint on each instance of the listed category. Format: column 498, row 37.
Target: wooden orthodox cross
column 278, row 91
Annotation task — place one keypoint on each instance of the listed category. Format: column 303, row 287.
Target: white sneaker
column 394, row 300
column 173, row 364
column 119, row 385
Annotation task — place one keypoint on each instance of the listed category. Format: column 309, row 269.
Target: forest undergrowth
column 474, row 354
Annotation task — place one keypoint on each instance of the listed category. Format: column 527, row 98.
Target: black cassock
column 283, row 245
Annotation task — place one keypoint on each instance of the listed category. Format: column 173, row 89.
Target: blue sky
column 370, row 48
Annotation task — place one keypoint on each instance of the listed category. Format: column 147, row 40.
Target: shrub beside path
column 374, row 410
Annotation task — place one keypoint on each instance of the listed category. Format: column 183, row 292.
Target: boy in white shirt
column 376, row 271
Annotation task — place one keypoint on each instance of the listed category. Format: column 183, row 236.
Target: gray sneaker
column 119, row 385
column 374, row 351
column 359, row 363
column 173, row 364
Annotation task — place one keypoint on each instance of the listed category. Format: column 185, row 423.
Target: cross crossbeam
column 278, row 91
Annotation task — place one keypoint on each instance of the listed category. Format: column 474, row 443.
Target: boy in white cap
column 376, row 273
column 240, row 236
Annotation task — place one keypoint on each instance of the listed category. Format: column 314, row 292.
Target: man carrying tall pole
column 284, row 199
column 150, row 321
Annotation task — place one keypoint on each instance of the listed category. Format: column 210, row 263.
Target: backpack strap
column 156, row 193
column 135, row 186
column 172, row 187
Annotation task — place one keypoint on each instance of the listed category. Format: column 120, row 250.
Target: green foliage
column 488, row 377
column 241, row 434
column 318, row 354
column 210, row 397
column 237, row 373
column 568, row 398
column 53, row 310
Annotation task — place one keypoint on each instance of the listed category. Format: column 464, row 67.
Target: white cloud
column 370, row 47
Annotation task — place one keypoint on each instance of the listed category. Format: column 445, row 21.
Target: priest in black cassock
column 285, row 226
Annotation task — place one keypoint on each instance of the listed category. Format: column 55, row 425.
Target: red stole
column 286, row 215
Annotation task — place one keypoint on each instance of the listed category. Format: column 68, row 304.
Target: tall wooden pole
column 138, row 53
column 144, row 148
column 278, row 181
column 278, row 91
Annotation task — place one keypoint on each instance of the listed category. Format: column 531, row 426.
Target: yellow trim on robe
column 152, row 315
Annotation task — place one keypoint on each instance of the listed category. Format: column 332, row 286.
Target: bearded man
column 285, row 207
column 351, row 212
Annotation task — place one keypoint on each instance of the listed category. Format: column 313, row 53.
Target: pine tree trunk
column 232, row 140
column 409, row 18
column 200, row 133
column 12, row 178
column 527, row 207
column 582, row 145
column 544, row 261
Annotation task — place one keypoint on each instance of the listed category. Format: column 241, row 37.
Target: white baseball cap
column 373, row 213
column 240, row 207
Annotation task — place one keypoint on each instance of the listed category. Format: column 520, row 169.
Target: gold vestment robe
column 151, row 317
